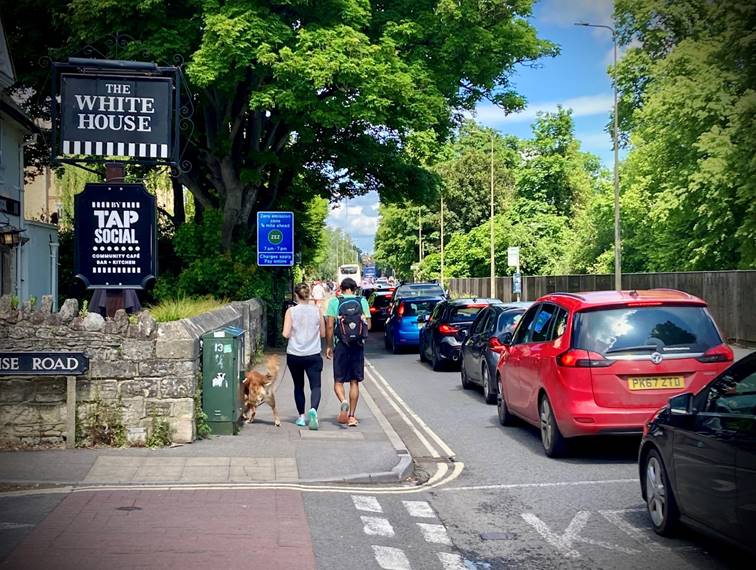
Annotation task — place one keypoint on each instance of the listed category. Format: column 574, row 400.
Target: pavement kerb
column 399, row 472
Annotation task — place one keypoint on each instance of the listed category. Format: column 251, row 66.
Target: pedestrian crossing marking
column 419, row 509
column 366, row 503
column 377, row 526
column 435, row 533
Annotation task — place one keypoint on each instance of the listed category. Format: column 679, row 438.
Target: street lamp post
column 493, row 247
column 615, row 141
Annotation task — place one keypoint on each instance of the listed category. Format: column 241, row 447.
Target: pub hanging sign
column 115, row 242
column 110, row 109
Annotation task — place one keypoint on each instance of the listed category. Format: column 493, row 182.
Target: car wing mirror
column 681, row 405
column 464, row 333
column 506, row 339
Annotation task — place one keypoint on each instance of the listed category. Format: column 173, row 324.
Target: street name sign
column 43, row 363
column 115, row 242
column 275, row 239
column 109, row 115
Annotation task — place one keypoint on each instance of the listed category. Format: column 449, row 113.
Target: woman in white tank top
column 304, row 327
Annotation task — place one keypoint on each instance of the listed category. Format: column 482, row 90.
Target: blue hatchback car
column 406, row 318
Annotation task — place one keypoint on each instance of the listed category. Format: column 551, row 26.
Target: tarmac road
column 511, row 507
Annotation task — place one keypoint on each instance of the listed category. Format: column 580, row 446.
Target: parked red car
column 603, row 362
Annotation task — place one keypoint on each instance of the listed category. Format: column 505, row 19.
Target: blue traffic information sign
column 275, row 239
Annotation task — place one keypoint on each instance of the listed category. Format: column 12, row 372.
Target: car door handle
column 700, row 443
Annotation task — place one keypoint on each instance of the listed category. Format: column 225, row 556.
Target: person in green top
column 348, row 358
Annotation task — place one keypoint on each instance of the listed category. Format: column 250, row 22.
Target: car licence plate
column 656, row 383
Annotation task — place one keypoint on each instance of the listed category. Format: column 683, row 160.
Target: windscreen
column 419, row 291
column 666, row 329
column 464, row 313
column 381, row 301
column 417, row 308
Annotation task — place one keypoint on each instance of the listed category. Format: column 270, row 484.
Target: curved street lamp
column 615, row 140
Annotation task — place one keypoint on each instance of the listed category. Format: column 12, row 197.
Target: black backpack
column 350, row 328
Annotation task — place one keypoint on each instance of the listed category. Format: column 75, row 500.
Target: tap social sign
column 115, row 237
column 116, row 116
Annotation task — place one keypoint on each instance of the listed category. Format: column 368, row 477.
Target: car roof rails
column 567, row 294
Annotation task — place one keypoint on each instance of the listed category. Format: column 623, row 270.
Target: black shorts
column 348, row 363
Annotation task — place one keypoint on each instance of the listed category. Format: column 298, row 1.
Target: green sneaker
column 313, row 417
column 300, row 421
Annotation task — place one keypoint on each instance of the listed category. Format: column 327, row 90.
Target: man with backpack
column 347, row 325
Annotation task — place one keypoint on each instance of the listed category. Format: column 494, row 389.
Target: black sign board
column 110, row 115
column 115, row 237
column 43, row 363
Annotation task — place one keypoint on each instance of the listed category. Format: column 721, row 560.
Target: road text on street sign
column 275, row 239
column 115, row 236
column 107, row 115
column 43, row 363
column 513, row 256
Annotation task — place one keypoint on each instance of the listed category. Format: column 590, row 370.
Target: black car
column 445, row 329
column 482, row 347
column 697, row 459
column 379, row 302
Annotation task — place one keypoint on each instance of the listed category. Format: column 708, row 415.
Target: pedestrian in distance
column 318, row 293
column 347, row 325
column 304, row 327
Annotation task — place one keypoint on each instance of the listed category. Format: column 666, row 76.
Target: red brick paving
column 255, row 529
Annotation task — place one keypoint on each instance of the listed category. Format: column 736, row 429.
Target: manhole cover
column 497, row 536
column 128, row 509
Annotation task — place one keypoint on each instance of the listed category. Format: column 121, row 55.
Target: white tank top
column 305, row 330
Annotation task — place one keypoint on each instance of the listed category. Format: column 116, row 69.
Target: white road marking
column 419, row 509
column 526, row 485
column 563, row 543
column 366, row 503
column 390, row 558
column 451, row 561
column 435, row 533
column 377, row 526
column 431, row 450
column 13, row 526
column 637, row 533
column 441, row 443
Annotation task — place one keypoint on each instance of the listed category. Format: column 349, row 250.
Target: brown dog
column 258, row 388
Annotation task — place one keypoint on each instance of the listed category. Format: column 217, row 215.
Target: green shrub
column 102, row 425
column 202, row 428
column 160, row 433
column 184, row 307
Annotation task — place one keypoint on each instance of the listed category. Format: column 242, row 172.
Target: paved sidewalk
column 178, row 529
column 261, row 452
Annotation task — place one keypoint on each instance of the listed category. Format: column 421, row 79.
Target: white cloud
column 568, row 12
column 359, row 220
column 581, row 106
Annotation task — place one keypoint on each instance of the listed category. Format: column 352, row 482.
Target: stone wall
column 150, row 367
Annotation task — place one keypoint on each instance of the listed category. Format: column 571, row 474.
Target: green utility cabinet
column 222, row 375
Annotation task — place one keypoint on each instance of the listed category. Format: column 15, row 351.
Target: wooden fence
column 731, row 295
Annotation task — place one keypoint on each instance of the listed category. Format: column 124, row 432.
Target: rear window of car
column 667, row 329
column 381, row 300
column 418, row 308
column 419, row 291
column 462, row 313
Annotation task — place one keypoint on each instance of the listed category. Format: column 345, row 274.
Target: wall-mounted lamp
column 11, row 237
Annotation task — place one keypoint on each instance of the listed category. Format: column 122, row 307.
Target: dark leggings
column 311, row 365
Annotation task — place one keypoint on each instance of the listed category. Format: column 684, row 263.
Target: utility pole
column 420, row 235
column 615, row 142
column 493, row 249
column 442, row 242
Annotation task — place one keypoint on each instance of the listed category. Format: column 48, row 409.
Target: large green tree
column 689, row 112
column 340, row 96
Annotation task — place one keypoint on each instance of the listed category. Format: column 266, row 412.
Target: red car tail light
column 719, row 353
column 373, row 310
column 400, row 310
column 583, row 359
column 644, row 304
column 447, row 329
column 495, row 345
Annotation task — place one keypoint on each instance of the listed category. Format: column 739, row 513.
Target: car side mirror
column 506, row 339
column 681, row 405
column 426, row 318
column 464, row 333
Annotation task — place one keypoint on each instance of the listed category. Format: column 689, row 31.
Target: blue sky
column 576, row 79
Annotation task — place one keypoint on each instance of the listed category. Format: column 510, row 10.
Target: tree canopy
column 337, row 96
